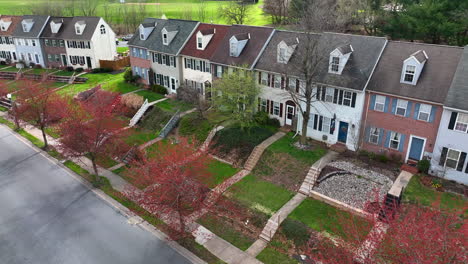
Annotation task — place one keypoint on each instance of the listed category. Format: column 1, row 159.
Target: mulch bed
column 446, row 185
column 390, row 169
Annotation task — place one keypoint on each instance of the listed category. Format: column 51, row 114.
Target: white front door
column 289, row 114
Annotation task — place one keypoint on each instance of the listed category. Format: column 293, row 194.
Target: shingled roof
column 66, row 22
column 91, row 24
column 436, row 76
column 190, row 48
column 259, row 37
column 15, row 20
column 457, row 96
column 36, row 30
column 154, row 40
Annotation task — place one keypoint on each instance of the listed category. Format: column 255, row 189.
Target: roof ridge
column 355, row 35
column 425, row 44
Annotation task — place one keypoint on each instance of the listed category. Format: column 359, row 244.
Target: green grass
column 10, row 69
column 122, row 49
column 323, row 217
column 51, row 132
column 192, row 125
column 221, row 228
column 151, row 96
column 172, row 105
column 63, row 73
column 140, row 136
column 271, row 256
column 3, row 109
column 220, row 172
column 260, row 195
column 417, row 193
column 75, row 168
column 285, row 145
column 109, row 82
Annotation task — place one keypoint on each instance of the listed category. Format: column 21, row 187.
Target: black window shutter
column 168, row 62
column 318, row 92
column 269, row 80
column 185, row 63
column 259, row 77
column 272, row 105
column 281, row 110
column 466, row 170
column 340, row 99
column 320, row 123
column 453, row 119
column 175, row 62
column 324, row 89
column 443, row 156
column 268, row 106
column 315, row 121
column 282, row 82
column 335, row 96
column 297, row 85
column 258, row 104
column 461, row 161
column 353, row 100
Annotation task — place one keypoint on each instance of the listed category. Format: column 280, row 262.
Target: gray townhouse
column 159, row 42
column 27, row 39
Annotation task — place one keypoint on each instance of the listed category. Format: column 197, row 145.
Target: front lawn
column 192, row 125
column 226, row 231
column 323, row 217
column 139, row 136
column 151, row 96
column 272, row 256
column 9, row 69
column 122, row 49
column 285, row 165
column 172, row 105
column 418, row 193
column 220, row 172
column 259, row 194
column 109, row 82
column 63, row 73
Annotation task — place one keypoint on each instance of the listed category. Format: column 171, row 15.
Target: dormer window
column 168, row 34
column 204, row 37
column 237, row 44
column 412, row 67
column 79, row 27
column 335, row 64
column 5, row 23
column 282, row 55
column 142, row 36
column 78, row 30
column 25, row 28
column 165, row 42
column 285, row 51
column 409, row 73
column 199, row 43
column 3, row 28
column 233, row 49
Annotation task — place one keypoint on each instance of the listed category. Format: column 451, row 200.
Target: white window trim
column 447, row 158
column 425, row 112
column 263, row 105
column 406, row 72
column 374, row 132
column 264, row 78
column 398, row 106
column 460, row 122
column 333, row 64
column 392, row 135
column 329, row 93
column 277, row 81
column 326, row 123
column 379, row 103
column 349, row 99
column 276, row 108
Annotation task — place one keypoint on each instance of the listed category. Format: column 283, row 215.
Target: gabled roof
column 358, row 68
column 345, row 49
column 154, row 40
column 420, row 56
column 457, row 96
column 36, row 30
column 259, row 37
column 66, row 22
column 15, row 20
column 436, row 76
column 268, row 59
column 87, row 34
column 190, row 48
column 242, row 36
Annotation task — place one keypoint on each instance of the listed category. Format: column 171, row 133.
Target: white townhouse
column 342, row 77
column 88, row 40
column 449, row 158
column 196, row 56
column 8, row 25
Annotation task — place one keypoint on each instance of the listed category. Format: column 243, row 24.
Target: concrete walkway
column 314, row 172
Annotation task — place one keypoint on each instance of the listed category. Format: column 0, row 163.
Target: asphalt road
column 48, row 217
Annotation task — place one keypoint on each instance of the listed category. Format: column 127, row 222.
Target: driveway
column 47, row 216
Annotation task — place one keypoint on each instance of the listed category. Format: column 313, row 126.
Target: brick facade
column 407, row 126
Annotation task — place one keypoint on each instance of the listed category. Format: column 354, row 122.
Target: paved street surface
column 47, row 217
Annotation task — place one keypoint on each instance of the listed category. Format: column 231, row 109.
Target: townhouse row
column 404, row 100
column 54, row 42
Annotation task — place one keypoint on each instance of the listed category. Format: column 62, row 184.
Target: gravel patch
column 355, row 188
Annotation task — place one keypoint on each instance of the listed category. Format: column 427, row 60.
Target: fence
column 115, row 64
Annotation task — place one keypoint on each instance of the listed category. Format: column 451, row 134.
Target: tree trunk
column 96, row 173
column 44, row 136
column 305, row 120
column 181, row 218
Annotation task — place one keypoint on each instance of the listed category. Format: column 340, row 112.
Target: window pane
column 462, row 118
column 453, row 154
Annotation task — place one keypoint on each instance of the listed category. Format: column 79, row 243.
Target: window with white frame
column 264, row 78
column 282, row 55
column 166, row 81
column 172, row 61
column 103, row 30
column 409, row 73
column 395, row 140
column 424, row 112
column 292, row 84
column 329, row 95
column 33, row 42
column 197, row 65
column 347, row 98
column 374, row 135
column 326, row 124
column 452, row 158
column 163, row 59
column 219, row 71
column 401, row 107
column 379, row 103
column 335, row 64
column 277, row 81
column 165, row 39
column 263, row 105
column 199, row 43
column 276, row 108
column 462, row 122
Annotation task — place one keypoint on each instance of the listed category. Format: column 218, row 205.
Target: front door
column 343, row 132
column 173, row 84
column 290, row 109
column 88, row 62
column 416, row 148
column 64, row 60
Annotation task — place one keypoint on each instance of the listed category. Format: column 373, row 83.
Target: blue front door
column 416, row 149
column 343, row 132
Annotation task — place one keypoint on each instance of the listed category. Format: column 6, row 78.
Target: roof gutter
column 187, row 39
column 262, row 50
column 43, row 26
column 375, row 65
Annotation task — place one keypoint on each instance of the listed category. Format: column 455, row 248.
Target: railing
column 170, row 125
column 140, row 113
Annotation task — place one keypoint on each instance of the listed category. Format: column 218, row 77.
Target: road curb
column 140, row 222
